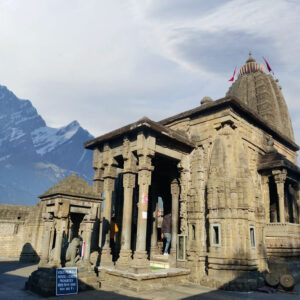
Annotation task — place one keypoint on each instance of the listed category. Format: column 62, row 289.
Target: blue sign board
column 66, row 281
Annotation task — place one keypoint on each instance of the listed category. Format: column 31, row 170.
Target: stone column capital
column 97, row 158
column 129, row 180
column 145, row 159
column 175, row 189
column 144, row 177
column 109, row 184
column 110, row 171
column 99, row 172
column 265, row 179
column 183, row 165
column 89, row 225
column 90, row 218
column 279, row 175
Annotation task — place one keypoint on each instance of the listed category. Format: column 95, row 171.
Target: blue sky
column 109, row 63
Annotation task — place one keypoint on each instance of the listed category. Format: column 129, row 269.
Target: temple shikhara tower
column 225, row 170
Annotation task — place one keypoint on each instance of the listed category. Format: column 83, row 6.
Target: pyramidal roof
column 72, row 186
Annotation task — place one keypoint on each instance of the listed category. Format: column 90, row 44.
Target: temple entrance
column 165, row 171
column 159, row 204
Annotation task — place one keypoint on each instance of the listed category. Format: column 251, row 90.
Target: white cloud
column 108, row 63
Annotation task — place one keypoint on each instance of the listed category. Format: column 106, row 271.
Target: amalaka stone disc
column 272, row 279
column 287, row 281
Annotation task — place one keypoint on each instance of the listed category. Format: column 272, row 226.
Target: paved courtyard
column 13, row 276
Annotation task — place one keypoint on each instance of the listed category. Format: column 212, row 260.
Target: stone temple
column 226, row 170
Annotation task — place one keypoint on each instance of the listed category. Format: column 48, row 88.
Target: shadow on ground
column 13, row 276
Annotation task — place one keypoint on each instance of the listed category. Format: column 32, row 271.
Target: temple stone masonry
column 226, row 171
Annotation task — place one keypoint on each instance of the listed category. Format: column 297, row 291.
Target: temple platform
column 111, row 278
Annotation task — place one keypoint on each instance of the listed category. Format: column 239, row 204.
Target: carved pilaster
column 183, row 168
column 266, row 197
column 48, row 221
column 280, row 177
column 89, row 221
column 175, row 190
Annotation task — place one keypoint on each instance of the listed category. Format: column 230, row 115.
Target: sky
column 107, row 63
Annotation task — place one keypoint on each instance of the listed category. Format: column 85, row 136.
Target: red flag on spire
column 268, row 66
column 232, row 78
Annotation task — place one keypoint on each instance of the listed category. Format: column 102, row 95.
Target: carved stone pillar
column 48, row 221
column 88, row 239
column 60, row 228
column 140, row 262
column 109, row 175
column 106, row 257
column 175, row 211
column 125, row 253
column 129, row 176
column 266, row 197
column 279, row 177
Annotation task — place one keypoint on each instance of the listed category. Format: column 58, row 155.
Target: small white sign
column 144, row 214
column 66, row 281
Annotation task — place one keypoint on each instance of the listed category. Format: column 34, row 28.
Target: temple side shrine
column 226, row 171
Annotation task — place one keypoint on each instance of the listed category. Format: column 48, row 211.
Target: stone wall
column 20, row 231
column 205, row 130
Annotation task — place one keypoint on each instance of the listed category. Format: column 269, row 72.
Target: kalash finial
column 250, row 59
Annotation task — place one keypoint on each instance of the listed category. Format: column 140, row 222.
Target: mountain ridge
column 34, row 156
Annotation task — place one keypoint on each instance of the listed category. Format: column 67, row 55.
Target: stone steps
column 160, row 261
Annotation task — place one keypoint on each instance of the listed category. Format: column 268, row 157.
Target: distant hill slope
column 34, row 156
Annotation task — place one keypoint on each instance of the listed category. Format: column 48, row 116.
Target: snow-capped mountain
column 34, row 156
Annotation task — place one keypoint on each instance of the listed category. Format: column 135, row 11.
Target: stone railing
column 282, row 229
column 282, row 239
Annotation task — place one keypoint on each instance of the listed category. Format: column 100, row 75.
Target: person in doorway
column 113, row 230
column 166, row 232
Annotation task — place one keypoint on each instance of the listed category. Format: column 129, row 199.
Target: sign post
column 66, row 281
